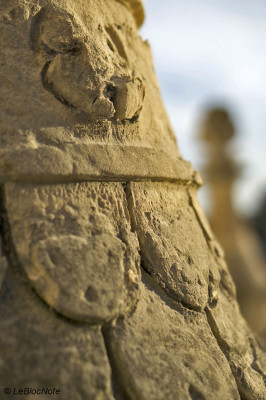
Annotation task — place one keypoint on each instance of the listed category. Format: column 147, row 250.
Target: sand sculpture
column 112, row 284
column 240, row 243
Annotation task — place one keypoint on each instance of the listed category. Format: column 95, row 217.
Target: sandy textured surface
column 112, row 284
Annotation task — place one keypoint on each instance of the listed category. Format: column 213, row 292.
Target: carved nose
column 127, row 95
column 103, row 107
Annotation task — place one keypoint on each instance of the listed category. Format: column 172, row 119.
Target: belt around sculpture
column 72, row 162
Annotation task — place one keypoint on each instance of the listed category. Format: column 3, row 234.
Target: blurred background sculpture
column 237, row 236
column 112, row 284
column 259, row 222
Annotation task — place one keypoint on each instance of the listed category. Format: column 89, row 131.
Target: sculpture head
column 86, row 66
column 218, row 126
column 77, row 73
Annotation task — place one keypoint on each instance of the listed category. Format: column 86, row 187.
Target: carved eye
column 55, row 32
column 75, row 49
column 114, row 42
column 110, row 45
column 72, row 47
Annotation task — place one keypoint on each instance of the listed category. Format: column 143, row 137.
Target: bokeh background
column 209, row 53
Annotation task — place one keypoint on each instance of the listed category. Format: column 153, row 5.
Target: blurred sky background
column 213, row 52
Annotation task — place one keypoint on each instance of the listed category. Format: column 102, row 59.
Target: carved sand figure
column 241, row 246
column 112, row 284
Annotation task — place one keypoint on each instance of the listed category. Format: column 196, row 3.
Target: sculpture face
column 87, row 72
column 84, row 77
column 86, row 67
